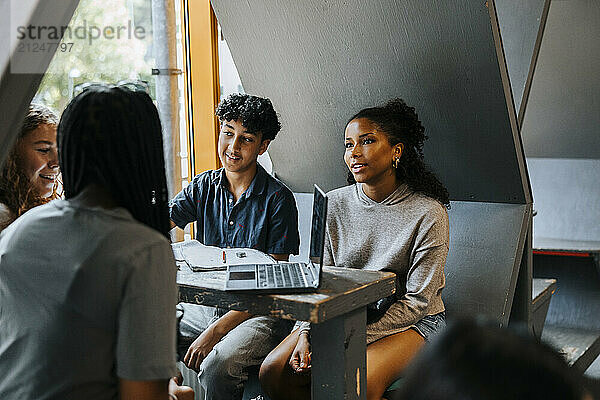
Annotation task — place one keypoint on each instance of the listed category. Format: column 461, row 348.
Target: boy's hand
column 200, row 348
column 204, row 344
column 300, row 359
column 176, row 390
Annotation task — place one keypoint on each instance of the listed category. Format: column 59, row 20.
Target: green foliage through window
column 98, row 55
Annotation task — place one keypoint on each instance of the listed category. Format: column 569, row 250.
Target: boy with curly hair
column 239, row 205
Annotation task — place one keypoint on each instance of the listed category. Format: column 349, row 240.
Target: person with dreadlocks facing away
column 29, row 175
column 88, row 283
column 239, row 205
column 392, row 217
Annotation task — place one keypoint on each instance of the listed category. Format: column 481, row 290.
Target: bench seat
column 577, row 246
column 572, row 325
column 579, row 346
column 541, row 294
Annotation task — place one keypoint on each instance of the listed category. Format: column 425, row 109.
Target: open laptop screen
column 317, row 234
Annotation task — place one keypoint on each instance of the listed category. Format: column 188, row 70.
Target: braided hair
column 112, row 136
column 401, row 124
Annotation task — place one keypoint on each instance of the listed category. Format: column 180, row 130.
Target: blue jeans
column 224, row 371
column 431, row 325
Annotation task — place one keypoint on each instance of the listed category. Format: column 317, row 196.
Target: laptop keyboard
column 280, row 275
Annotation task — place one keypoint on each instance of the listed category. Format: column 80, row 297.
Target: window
column 107, row 41
column 229, row 78
column 113, row 41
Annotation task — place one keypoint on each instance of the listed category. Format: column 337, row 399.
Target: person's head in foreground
column 110, row 138
column 29, row 175
column 384, row 148
column 248, row 125
column 480, row 361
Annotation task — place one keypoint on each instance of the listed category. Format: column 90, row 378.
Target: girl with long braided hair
column 88, row 283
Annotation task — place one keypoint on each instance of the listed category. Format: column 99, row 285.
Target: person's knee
column 375, row 387
column 374, row 393
column 269, row 373
column 221, row 366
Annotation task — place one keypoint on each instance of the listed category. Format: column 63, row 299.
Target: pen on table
column 224, row 257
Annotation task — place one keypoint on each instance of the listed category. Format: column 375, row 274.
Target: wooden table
column 336, row 311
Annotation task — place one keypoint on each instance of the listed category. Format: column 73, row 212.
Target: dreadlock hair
column 256, row 113
column 401, row 124
column 16, row 191
column 112, row 136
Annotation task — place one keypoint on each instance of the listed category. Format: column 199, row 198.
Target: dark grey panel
column 486, row 244
column 17, row 90
column 563, row 112
column 543, row 289
column 579, row 346
column 520, row 22
column 521, row 311
column 576, row 303
column 322, row 61
column 572, row 324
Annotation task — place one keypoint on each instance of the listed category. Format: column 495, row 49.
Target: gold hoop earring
column 397, row 162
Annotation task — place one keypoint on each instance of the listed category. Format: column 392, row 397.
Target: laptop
column 286, row 277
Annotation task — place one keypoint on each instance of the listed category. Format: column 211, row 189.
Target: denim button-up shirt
column 265, row 216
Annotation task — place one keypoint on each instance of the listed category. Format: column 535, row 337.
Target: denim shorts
column 431, row 325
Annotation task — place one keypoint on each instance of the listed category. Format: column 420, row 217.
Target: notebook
column 286, row 277
column 199, row 257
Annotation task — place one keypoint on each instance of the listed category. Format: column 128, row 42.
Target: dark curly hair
column 401, row 124
column 16, row 191
column 256, row 113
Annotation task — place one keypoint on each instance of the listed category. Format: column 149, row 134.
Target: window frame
column 202, row 84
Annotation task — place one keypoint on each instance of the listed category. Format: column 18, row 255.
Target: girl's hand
column 300, row 359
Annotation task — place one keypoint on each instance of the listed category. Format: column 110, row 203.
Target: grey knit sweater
column 407, row 233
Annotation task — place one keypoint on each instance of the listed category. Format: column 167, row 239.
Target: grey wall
column 567, row 199
column 520, row 23
column 563, row 114
column 560, row 124
column 486, row 244
column 320, row 62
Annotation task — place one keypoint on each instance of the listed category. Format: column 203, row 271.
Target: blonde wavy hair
column 16, row 191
